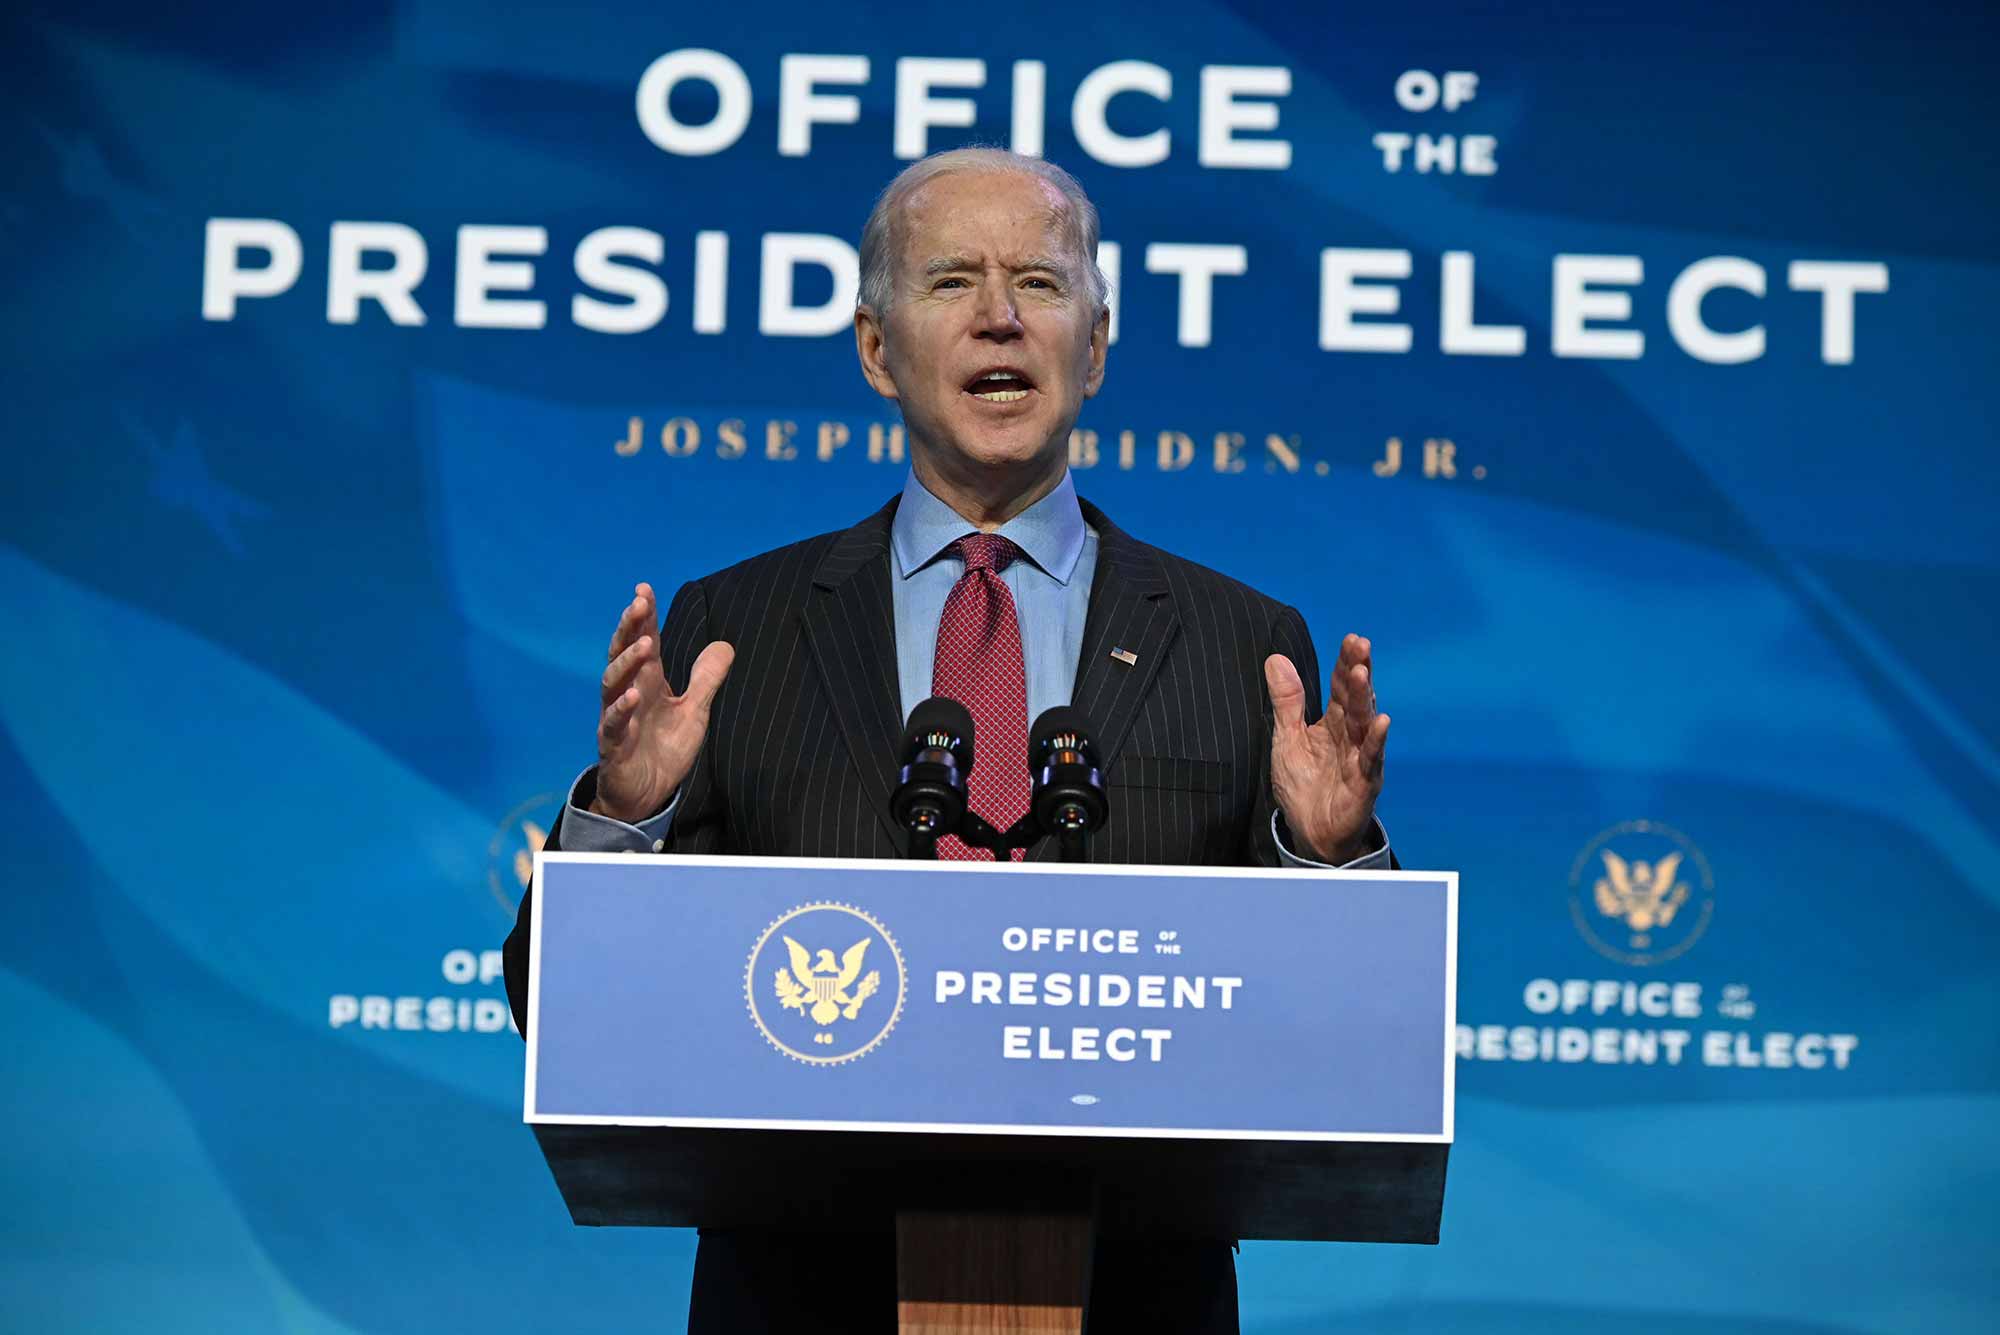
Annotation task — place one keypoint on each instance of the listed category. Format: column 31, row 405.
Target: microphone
column 929, row 800
column 1069, row 799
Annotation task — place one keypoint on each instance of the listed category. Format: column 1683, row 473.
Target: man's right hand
column 648, row 737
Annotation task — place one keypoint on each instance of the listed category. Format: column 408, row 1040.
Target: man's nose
column 995, row 316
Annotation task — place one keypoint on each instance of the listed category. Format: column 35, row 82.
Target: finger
column 1360, row 711
column 1288, row 694
column 705, row 679
column 651, row 610
column 1353, row 649
column 616, row 721
column 634, row 621
column 1336, row 690
column 1356, row 651
column 1374, row 748
column 1348, row 698
column 623, row 671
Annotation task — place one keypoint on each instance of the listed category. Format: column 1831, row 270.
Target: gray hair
column 878, row 238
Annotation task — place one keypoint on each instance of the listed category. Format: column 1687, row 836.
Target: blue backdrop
column 1646, row 423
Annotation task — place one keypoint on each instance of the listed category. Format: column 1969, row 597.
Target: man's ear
column 1100, row 343
column 870, row 342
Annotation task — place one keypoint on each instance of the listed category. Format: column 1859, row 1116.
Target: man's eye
column 1043, row 281
column 943, row 281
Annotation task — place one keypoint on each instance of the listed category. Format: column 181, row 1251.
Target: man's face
column 988, row 280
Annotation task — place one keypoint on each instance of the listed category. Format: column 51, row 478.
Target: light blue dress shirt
column 1051, row 588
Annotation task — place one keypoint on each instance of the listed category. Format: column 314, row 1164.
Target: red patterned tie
column 979, row 665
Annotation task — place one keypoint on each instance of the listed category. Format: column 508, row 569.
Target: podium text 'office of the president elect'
column 1147, row 1051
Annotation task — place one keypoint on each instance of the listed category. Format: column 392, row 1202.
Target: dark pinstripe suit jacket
column 802, row 752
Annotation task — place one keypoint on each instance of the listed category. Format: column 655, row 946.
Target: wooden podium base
column 961, row 1274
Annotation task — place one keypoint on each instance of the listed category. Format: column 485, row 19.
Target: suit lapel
column 850, row 629
column 1131, row 611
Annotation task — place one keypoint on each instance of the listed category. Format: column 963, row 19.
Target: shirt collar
column 1050, row 532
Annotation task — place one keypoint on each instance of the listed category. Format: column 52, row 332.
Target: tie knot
column 986, row 551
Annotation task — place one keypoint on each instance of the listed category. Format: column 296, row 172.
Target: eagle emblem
column 825, row 988
column 524, row 858
column 510, row 853
column 1643, row 894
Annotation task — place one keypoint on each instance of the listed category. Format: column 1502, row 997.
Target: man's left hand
column 1326, row 777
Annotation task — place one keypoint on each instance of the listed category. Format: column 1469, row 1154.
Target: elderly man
column 983, row 315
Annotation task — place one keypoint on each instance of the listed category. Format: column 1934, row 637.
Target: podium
column 993, row 1061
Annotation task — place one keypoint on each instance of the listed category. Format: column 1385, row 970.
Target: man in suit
column 764, row 715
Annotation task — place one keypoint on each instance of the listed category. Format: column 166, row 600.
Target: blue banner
column 1625, row 375
column 1249, row 1004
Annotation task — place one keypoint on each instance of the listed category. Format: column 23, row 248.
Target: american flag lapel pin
column 1126, row 656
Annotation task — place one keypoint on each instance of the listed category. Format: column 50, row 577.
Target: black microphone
column 929, row 800
column 1069, row 799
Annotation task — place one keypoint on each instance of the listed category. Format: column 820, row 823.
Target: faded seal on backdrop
column 1641, row 893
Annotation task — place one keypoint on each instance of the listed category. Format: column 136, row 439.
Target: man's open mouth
column 1002, row 385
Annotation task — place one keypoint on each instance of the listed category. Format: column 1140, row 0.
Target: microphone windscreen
column 1063, row 721
column 941, row 721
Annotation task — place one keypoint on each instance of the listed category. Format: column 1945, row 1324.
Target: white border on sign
column 1449, row 879
column 535, row 981
column 1450, row 1002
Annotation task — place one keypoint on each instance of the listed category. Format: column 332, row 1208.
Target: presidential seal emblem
column 1641, row 893
column 510, row 854
column 825, row 984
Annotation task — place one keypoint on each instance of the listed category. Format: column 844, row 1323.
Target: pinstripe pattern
column 802, row 741
column 801, row 748
column 1185, row 733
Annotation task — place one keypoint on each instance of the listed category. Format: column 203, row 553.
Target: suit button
column 659, row 845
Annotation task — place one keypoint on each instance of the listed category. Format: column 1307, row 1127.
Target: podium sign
column 1284, row 1018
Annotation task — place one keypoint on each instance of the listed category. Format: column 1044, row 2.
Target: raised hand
column 648, row 737
column 1326, row 777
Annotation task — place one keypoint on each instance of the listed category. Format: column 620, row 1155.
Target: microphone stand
column 1023, row 833
column 1001, row 843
